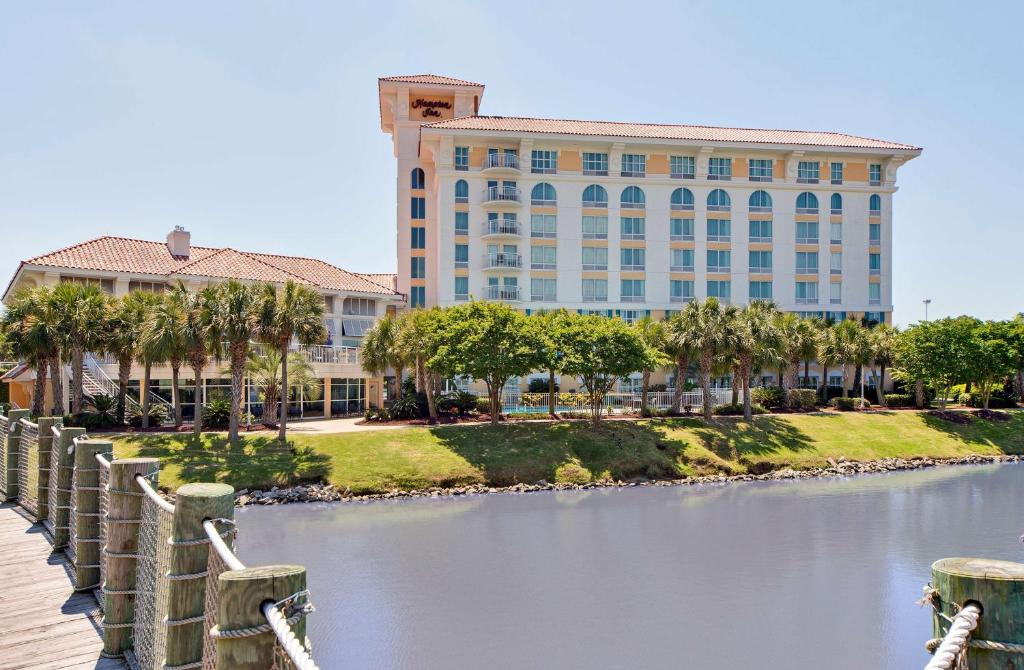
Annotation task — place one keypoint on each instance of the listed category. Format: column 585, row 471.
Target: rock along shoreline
column 841, row 467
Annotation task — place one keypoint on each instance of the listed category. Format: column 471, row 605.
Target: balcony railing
column 503, row 227
column 503, row 293
column 503, row 194
column 501, row 161
column 502, row 259
column 330, row 354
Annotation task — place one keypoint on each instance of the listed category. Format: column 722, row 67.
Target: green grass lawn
column 419, row 458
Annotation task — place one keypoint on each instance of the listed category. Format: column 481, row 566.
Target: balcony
column 502, row 163
column 505, row 227
column 505, row 293
column 502, row 195
column 502, row 260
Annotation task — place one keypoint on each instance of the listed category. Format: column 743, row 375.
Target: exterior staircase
column 96, row 381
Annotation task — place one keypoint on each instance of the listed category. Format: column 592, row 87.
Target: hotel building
column 634, row 219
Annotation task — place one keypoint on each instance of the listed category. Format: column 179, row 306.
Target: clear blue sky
column 255, row 125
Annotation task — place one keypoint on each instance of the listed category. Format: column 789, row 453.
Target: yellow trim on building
column 595, row 274
column 569, row 161
column 855, row 172
column 632, row 275
column 721, row 246
column 657, row 165
column 632, row 244
column 535, row 209
column 760, row 246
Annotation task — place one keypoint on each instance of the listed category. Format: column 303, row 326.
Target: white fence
column 614, row 403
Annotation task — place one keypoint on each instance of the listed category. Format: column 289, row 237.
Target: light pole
column 926, row 301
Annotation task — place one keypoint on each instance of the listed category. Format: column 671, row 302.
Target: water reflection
column 810, row 574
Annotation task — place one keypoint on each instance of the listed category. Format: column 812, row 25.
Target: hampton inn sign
column 431, row 107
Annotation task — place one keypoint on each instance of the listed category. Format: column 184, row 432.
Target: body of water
column 802, row 574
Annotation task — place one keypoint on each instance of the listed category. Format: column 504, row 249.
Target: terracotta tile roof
column 144, row 257
column 656, row 131
column 388, row 280
column 430, row 79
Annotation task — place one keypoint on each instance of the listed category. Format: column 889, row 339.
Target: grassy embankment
column 417, row 458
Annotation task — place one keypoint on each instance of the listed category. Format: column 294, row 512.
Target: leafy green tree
column 125, row 317
column 294, row 312
column 936, row 352
column 79, row 311
column 654, row 334
column 234, row 322
column 487, row 341
column 382, row 350
column 756, row 344
column 991, row 357
column 706, row 328
column 549, row 335
column 598, row 351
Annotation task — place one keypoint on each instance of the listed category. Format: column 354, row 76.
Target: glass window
column 760, row 261
column 419, row 267
column 416, row 178
column 461, row 158
column 875, row 263
column 417, row 296
column 681, row 229
column 874, row 293
column 806, row 292
column 719, row 230
column 348, row 396
column 837, row 173
column 875, row 174
column 760, row 290
column 595, row 163
column 682, row 198
column 836, row 204
column 680, row 290
column 634, row 165
column 682, row 260
column 595, row 258
column 595, row 227
column 633, row 197
column 806, row 232
column 681, row 167
column 138, row 285
column 595, row 290
column 632, row 259
column 543, row 225
column 718, row 201
column 760, row 169
column 874, row 318
column 632, row 227
column 632, row 290
column 544, row 162
column 419, row 237
column 806, row 203
column 461, row 191
column 807, row 172
column 760, row 201
column 875, row 233
column 462, row 223
column 359, row 307
column 835, row 263
column 542, row 257
column 720, row 168
column 760, row 231
column 835, row 232
column 462, row 288
column 806, row 262
column 720, row 289
column 462, row 255
column 875, row 205
column 719, row 260
column 595, row 196
column 835, row 292
column 419, row 208
column 543, row 289
column 543, row 195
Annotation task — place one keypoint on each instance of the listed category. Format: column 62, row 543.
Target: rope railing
column 28, row 467
column 951, row 653
column 72, row 548
column 149, row 632
column 5, row 431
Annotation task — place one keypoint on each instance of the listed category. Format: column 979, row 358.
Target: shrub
column 801, row 399
column 998, row 400
column 898, row 400
column 158, row 414
column 538, row 385
column 409, row 406
column 737, row 409
column 849, row 404
column 768, row 396
column 458, row 403
column 572, row 473
column 216, row 413
column 374, row 413
column 483, row 405
column 657, row 388
column 103, row 406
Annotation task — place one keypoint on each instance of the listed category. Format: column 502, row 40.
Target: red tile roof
column 430, row 79
column 126, row 255
column 656, row 131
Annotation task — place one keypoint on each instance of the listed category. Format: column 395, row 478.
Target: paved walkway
column 44, row 624
column 346, row 425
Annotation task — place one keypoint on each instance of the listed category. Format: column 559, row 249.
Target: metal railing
column 504, row 226
column 502, row 194
column 502, row 259
column 506, row 161
column 510, row 293
column 516, row 402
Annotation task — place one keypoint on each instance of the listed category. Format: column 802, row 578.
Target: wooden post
column 46, row 424
column 186, row 594
column 241, row 595
column 87, row 509
column 63, row 477
column 10, row 486
column 124, row 512
column 998, row 587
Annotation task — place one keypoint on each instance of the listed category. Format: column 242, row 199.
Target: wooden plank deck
column 44, row 624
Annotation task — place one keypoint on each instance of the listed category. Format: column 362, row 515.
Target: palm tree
column 705, row 327
column 195, row 335
column 798, row 340
column 841, row 345
column 295, row 311
column 654, row 334
column 681, row 353
column 233, row 314
column 756, row 342
column 125, row 317
column 147, row 354
column 883, row 352
column 381, row 351
column 31, row 338
column 163, row 338
column 80, row 310
column 265, row 372
column 416, row 339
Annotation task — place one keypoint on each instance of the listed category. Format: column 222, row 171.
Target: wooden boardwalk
column 44, row 624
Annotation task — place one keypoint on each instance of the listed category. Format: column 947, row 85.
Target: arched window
column 461, row 191
column 806, row 203
column 595, row 196
column 760, row 201
column 543, row 194
column 837, row 204
column 416, row 178
column 718, row 201
column 875, row 205
column 682, row 198
column 633, row 197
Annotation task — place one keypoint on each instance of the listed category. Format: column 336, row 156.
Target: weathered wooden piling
column 12, row 453
column 63, row 475
column 46, row 424
column 87, row 511
column 242, row 594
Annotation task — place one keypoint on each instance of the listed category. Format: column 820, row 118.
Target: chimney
column 178, row 242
